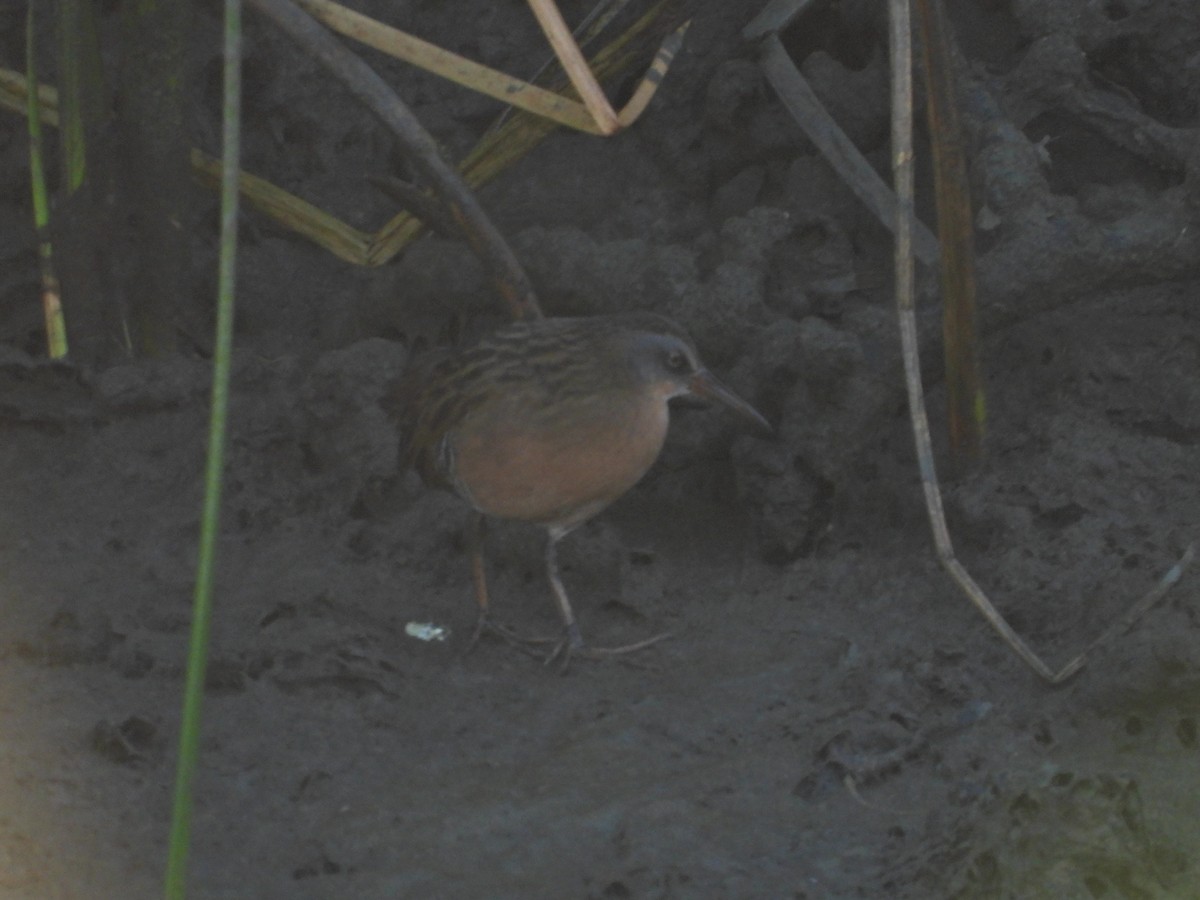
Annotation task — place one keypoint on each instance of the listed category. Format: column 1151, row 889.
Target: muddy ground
column 830, row 718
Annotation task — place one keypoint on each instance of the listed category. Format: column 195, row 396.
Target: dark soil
column 830, row 718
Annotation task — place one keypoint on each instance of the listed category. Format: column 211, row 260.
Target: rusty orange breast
column 562, row 468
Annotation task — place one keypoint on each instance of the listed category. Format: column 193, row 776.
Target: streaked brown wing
column 545, row 361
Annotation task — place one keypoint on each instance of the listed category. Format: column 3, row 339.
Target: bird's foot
column 485, row 625
column 567, row 646
column 571, row 646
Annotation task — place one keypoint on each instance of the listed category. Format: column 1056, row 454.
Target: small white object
column 426, row 631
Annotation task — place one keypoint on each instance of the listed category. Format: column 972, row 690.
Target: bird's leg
column 476, row 529
column 571, row 643
column 572, row 639
column 475, row 533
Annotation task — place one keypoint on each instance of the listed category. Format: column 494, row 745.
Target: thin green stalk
column 81, row 86
column 189, row 736
column 56, row 330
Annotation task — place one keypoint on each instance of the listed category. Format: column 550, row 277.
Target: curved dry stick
column 418, row 145
column 833, row 144
column 422, row 204
column 900, row 41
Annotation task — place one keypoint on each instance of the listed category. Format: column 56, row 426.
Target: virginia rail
column 549, row 421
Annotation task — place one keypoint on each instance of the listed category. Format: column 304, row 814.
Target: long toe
column 485, row 625
column 566, row 650
column 606, row 652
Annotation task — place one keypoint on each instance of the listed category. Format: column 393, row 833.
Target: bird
column 549, row 421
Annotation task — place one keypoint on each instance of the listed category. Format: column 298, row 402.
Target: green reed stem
column 56, row 329
column 81, row 86
column 197, row 663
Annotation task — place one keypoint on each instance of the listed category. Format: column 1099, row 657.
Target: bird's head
column 664, row 359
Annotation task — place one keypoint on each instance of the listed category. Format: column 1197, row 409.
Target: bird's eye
column 676, row 361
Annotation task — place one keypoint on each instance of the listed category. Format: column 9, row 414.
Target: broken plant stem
column 576, row 67
column 449, row 65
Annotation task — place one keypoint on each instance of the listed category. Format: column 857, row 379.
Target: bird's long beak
column 705, row 384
